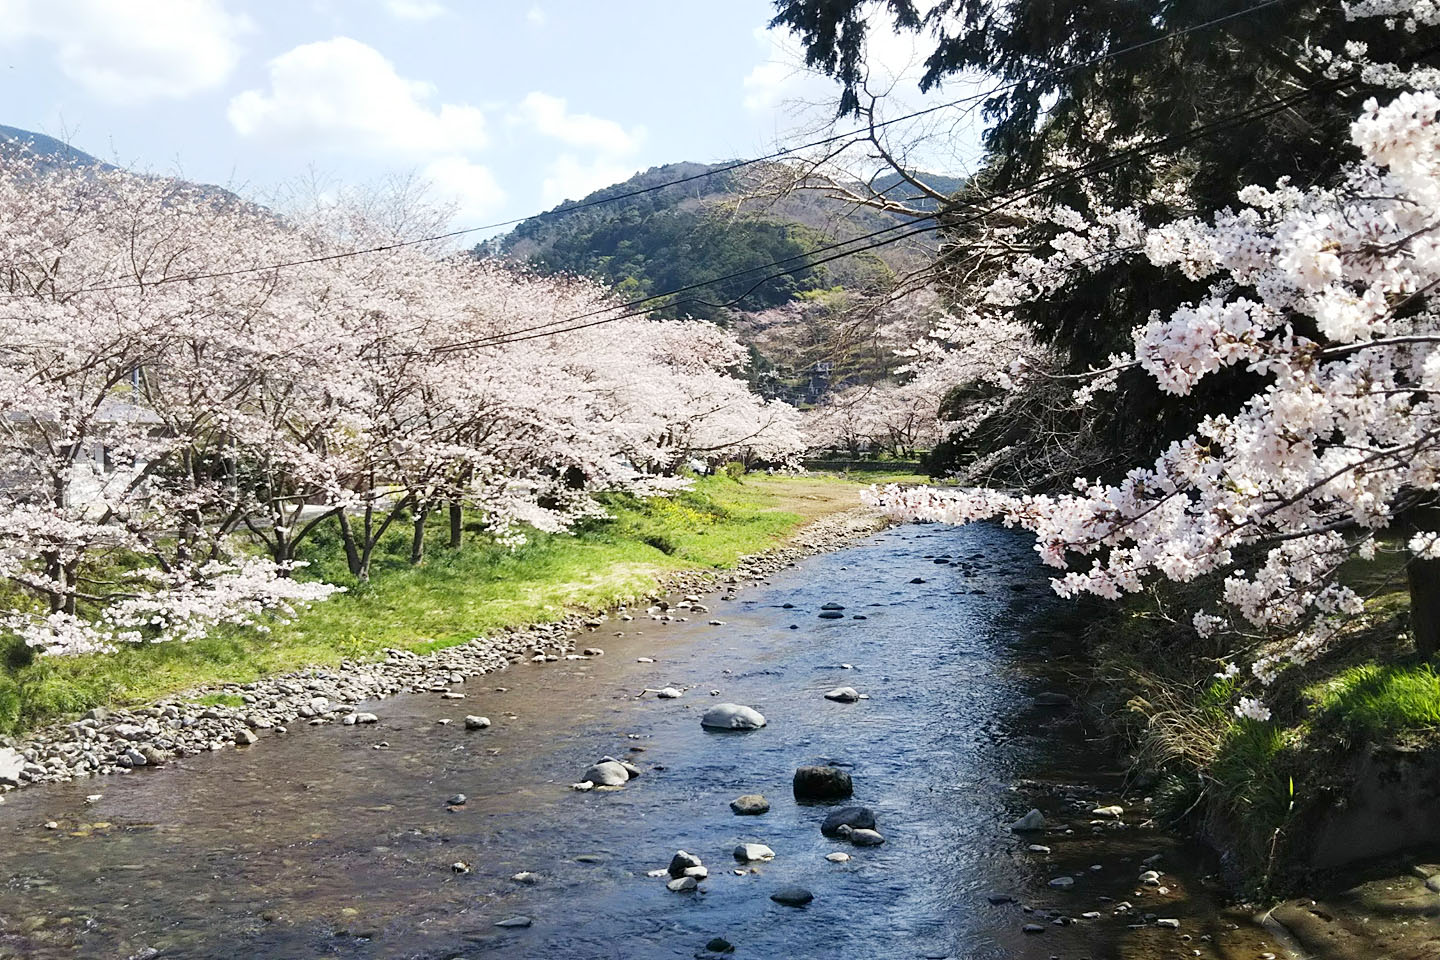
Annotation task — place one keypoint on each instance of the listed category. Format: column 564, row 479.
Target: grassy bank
column 453, row 596
column 1257, row 789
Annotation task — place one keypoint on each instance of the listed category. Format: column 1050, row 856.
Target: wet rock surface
column 315, row 843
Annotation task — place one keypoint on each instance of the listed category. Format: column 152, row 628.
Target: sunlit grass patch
column 1378, row 699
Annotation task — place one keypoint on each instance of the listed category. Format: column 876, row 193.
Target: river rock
column 866, row 838
column 668, row 693
column 607, row 773
column 792, row 896
column 750, row 852
column 1030, row 823
column 832, row 606
column 514, row 923
column 1062, row 883
column 822, row 783
column 857, row 818
column 831, row 615
column 720, row 945
column 837, row 857
column 843, row 695
column 750, row 805
column 683, row 884
column 732, row 716
column 527, row 878
column 1112, row 812
column 476, row 723
column 11, row 763
column 459, row 800
column 681, row 862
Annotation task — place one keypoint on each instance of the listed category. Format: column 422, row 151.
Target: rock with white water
column 607, row 773
column 476, row 723
column 750, row 805
column 857, row 818
column 751, row 852
column 822, row 783
column 1030, row 823
column 792, row 896
column 843, row 695
column 732, row 716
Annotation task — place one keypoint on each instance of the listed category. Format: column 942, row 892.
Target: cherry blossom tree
column 1325, row 292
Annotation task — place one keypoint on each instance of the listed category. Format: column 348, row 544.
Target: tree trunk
column 352, row 549
column 417, row 538
column 1424, row 578
column 457, row 519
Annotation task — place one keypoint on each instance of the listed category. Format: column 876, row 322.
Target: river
column 338, row 841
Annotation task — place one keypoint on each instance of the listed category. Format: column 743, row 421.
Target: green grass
column 1379, row 699
column 453, row 596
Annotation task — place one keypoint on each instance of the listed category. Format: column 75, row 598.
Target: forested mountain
column 709, row 227
column 27, row 141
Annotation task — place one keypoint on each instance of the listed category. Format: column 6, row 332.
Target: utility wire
column 725, row 168
column 1008, row 198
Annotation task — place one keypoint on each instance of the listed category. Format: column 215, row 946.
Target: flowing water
column 338, row 842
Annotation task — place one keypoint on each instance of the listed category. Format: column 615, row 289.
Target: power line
column 738, row 164
column 1010, row 197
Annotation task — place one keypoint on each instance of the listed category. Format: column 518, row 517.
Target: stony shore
column 118, row 741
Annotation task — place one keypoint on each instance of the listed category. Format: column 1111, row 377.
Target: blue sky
column 507, row 108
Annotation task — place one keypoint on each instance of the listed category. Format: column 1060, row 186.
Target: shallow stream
column 337, row 841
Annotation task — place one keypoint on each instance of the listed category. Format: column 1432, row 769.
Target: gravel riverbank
column 117, row 741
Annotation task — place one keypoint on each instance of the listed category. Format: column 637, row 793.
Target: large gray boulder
column 607, row 773
column 732, row 716
column 856, row 818
column 822, row 783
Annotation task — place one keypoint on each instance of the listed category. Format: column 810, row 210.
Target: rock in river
column 792, row 896
column 512, row 923
column 476, row 723
column 683, row 884
column 607, row 773
column 857, row 818
column 732, row 716
column 832, row 606
column 843, row 695
column 831, row 615
column 866, row 838
column 822, row 783
column 750, row 805
column 1032, row 821
column 681, row 862
column 748, row 852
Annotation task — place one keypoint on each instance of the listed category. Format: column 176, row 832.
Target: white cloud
column 133, row 51
column 894, row 60
column 470, row 186
column 343, row 94
column 548, row 115
column 415, row 9
column 536, row 16
column 568, row 178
